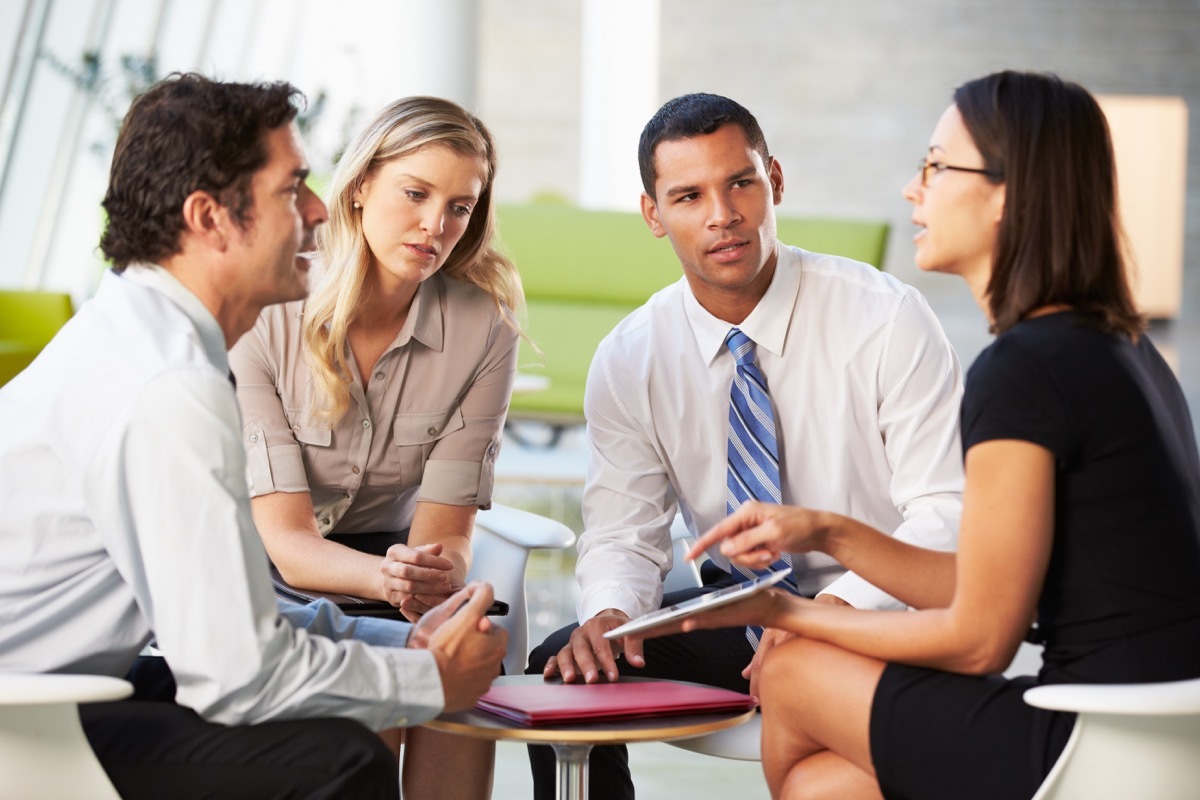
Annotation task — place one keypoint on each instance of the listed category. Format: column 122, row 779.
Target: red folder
column 539, row 704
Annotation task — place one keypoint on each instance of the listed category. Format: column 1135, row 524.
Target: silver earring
column 357, row 204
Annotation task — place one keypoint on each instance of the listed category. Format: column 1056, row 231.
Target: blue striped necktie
column 753, row 450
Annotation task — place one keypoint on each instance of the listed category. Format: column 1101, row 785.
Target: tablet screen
column 704, row 602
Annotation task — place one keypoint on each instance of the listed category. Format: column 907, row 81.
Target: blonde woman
column 373, row 410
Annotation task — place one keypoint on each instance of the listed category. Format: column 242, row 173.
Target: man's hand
column 415, row 579
column 467, row 647
column 590, row 655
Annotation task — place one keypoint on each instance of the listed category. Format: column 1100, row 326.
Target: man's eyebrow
column 675, row 191
column 748, row 172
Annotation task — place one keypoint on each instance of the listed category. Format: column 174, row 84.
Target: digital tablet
column 721, row 597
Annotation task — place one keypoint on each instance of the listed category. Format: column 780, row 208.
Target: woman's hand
column 758, row 533
column 415, row 579
column 762, row 608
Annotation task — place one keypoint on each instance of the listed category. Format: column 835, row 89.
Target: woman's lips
column 421, row 250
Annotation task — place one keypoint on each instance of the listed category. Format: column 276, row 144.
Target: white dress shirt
column 126, row 515
column 866, row 393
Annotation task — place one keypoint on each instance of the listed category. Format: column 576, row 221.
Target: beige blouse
column 427, row 427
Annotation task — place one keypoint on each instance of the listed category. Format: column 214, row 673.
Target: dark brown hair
column 185, row 134
column 1060, row 239
column 692, row 115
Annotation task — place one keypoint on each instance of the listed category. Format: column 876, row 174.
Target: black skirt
column 939, row 735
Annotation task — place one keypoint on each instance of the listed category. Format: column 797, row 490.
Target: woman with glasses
column 373, row 410
column 1081, row 513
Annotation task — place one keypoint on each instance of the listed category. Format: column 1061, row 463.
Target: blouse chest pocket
column 309, row 430
column 415, row 435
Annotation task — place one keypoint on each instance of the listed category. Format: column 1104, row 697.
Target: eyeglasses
column 925, row 166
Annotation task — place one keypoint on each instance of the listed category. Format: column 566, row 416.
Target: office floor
column 548, row 482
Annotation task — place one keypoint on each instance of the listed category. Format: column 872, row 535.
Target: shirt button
column 378, row 376
column 492, row 451
column 254, row 438
column 325, row 521
column 431, row 431
column 366, row 423
column 296, row 428
column 355, row 470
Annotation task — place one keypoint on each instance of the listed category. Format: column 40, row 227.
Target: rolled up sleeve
column 461, row 466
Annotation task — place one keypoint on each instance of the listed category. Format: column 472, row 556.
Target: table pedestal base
column 571, row 764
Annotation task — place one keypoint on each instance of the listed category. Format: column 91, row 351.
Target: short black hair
column 187, row 133
column 694, row 115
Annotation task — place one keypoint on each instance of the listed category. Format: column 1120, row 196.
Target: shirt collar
column 767, row 325
column 152, row 276
column 424, row 321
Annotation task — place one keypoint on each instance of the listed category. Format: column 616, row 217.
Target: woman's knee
column 793, row 666
column 818, row 683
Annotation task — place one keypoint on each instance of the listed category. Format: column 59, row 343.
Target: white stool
column 1130, row 740
column 43, row 751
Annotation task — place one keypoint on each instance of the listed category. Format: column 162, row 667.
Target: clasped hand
column 415, row 579
column 468, row 648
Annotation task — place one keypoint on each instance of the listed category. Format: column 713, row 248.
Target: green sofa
column 28, row 320
column 585, row 271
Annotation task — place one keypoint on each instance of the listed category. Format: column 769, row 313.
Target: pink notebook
column 538, row 704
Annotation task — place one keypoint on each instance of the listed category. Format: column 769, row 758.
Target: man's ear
column 775, row 175
column 650, row 214
column 206, row 219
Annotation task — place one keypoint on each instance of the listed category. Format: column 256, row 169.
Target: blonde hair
column 399, row 129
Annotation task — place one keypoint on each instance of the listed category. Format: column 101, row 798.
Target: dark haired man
column 126, row 515
column 860, row 396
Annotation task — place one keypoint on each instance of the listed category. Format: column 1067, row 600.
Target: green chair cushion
column 32, row 317
column 567, row 334
column 28, row 321
column 566, row 253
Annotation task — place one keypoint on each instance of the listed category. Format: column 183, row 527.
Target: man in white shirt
column 864, row 386
column 126, row 513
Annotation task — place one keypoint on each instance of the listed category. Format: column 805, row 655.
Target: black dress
column 1121, row 600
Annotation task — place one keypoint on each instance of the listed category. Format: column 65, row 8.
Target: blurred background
column 847, row 93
